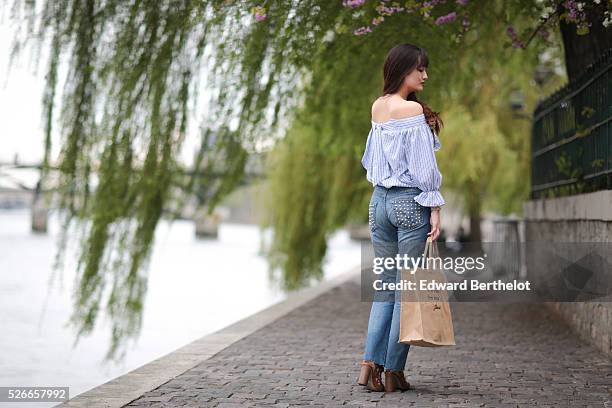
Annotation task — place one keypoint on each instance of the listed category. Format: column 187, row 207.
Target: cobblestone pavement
column 507, row 355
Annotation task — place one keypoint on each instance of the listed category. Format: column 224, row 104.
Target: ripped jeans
column 398, row 225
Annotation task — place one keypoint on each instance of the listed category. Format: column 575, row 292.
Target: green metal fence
column 572, row 136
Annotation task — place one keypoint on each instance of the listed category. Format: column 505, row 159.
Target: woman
column 405, row 206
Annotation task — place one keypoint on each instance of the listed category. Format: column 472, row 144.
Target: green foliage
column 299, row 77
column 124, row 113
column 317, row 181
column 486, row 150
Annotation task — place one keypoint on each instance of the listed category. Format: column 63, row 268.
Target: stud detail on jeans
column 372, row 216
column 409, row 213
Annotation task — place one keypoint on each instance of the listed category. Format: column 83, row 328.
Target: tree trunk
column 474, row 206
column 475, row 234
column 583, row 50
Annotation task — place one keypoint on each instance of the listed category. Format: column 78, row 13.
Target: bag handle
column 431, row 249
column 427, row 250
column 434, row 249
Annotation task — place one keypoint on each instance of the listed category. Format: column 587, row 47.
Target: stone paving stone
column 507, row 355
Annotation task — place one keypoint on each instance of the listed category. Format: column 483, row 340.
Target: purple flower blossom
column 572, row 9
column 461, row 2
column 353, row 3
column 260, row 13
column 544, row 34
column 377, row 20
column 427, row 6
column 576, row 13
column 449, row 18
column 387, row 11
column 516, row 42
column 362, row 30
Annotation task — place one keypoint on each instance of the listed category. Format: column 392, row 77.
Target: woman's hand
column 434, row 220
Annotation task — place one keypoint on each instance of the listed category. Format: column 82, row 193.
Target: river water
column 186, row 298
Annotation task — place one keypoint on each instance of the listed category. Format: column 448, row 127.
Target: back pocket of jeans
column 408, row 213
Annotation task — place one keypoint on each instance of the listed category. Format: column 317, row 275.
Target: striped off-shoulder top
column 400, row 152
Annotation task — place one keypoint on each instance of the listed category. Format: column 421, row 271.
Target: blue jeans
column 398, row 225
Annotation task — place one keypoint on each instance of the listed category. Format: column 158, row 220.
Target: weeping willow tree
column 133, row 76
column 286, row 71
column 316, row 180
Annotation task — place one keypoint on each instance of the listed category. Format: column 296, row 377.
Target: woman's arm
column 423, row 167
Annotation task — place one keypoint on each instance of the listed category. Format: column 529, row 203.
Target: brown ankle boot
column 395, row 380
column 371, row 376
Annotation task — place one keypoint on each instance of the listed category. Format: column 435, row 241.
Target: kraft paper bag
column 425, row 314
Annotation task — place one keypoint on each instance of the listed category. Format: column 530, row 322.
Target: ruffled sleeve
column 422, row 165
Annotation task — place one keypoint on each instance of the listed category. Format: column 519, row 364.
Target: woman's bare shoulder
column 402, row 109
column 385, row 108
column 379, row 110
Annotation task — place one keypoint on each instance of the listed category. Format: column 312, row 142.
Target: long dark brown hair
column 400, row 61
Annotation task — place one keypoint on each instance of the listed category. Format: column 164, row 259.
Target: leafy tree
column 284, row 71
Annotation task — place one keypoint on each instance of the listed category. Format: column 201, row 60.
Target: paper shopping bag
column 425, row 313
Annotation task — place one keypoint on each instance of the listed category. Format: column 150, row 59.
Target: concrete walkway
column 507, row 355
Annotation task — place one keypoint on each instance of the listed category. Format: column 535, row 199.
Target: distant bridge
column 32, row 193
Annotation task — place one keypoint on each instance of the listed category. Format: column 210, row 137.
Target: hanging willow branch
column 132, row 69
column 133, row 75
